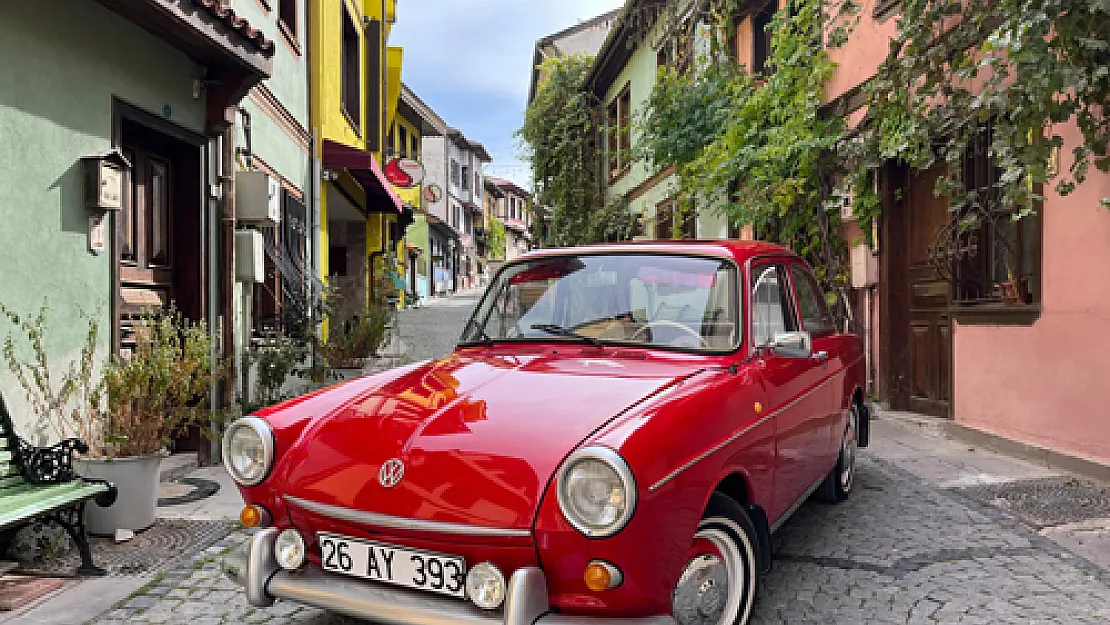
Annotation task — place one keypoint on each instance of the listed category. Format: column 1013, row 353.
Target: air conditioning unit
column 257, row 198
column 865, row 267
column 250, row 257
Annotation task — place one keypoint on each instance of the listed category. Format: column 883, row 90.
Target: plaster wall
column 417, row 234
column 857, row 60
column 289, row 85
column 1046, row 384
column 585, row 41
column 62, row 69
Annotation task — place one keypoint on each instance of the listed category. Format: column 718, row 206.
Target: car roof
column 738, row 251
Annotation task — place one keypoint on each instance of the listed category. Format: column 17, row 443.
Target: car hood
column 479, row 436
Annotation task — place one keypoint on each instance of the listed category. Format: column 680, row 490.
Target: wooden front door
column 929, row 344
column 146, row 254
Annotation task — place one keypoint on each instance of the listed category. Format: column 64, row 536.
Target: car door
column 788, row 382
column 828, row 357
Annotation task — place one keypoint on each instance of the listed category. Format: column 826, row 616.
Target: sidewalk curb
column 1040, row 455
column 957, row 432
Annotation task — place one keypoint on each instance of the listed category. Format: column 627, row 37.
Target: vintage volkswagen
column 617, row 434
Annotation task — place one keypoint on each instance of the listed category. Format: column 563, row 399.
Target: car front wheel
column 718, row 583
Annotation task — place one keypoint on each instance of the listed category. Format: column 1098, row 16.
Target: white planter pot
column 137, row 482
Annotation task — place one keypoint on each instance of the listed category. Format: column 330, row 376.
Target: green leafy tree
column 496, row 239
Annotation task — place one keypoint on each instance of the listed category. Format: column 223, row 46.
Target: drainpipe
column 211, row 255
column 227, row 276
column 312, row 191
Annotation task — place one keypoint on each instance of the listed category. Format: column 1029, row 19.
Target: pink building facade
column 1035, row 370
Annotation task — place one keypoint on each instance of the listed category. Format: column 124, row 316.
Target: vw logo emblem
column 391, row 472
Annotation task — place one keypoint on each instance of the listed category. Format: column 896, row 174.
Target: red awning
column 379, row 193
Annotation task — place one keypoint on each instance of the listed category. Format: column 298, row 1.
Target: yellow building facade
column 355, row 85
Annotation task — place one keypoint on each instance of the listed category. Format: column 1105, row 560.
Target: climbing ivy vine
column 560, row 136
column 759, row 136
column 1025, row 67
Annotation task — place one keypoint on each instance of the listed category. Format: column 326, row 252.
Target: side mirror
column 792, row 344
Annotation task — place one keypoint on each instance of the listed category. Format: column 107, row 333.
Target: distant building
column 584, row 38
column 455, row 164
column 415, row 120
column 512, row 209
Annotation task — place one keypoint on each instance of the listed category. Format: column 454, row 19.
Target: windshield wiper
column 558, row 330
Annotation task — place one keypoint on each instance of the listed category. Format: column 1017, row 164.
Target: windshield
column 655, row 300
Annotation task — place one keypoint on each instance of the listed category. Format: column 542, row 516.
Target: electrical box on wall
column 257, row 198
column 865, row 267
column 104, row 180
column 250, row 257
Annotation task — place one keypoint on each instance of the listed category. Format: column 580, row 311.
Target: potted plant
column 152, row 392
column 352, row 341
column 355, row 332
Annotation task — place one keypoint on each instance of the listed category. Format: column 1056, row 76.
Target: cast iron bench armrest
column 47, row 486
column 49, row 465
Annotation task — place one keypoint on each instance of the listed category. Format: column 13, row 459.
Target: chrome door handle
column 821, row 355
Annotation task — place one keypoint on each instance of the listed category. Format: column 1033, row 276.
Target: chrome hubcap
column 848, row 452
column 704, row 594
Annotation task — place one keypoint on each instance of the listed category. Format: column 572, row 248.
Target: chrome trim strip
column 413, row 525
column 797, row 504
column 721, row 445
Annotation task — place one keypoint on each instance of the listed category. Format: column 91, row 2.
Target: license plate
column 423, row 570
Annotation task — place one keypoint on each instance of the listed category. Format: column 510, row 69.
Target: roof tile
column 226, row 14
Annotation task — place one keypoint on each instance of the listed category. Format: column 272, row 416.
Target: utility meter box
column 257, row 198
column 250, row 256
column 865, row 267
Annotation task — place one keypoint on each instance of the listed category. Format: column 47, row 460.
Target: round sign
column 405, row 173
column 432, row 193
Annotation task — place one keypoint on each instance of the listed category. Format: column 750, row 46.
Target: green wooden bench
column 39, row 483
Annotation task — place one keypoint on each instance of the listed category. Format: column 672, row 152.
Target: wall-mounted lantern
column 105, row 173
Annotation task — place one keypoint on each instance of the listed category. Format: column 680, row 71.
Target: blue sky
column 470, row 60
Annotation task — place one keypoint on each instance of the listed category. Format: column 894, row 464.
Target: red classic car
column 617, row 434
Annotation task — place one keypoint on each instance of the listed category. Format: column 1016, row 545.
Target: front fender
column 679, row 444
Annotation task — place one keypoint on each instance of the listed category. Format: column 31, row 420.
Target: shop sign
column 433, row 193
column 404, row 173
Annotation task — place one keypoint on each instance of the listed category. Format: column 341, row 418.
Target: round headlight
column 485, row 585
column 597, row 492
column 289, row 550
column 249, row 450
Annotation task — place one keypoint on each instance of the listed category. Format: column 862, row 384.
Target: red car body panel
column 484, row 431
column 497, row 425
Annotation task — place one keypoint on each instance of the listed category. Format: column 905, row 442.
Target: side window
column 770, row 305
column 811, row 302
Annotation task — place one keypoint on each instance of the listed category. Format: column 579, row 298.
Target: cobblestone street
column 900, row 550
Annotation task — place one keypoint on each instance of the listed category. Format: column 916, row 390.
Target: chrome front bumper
column 253, row 567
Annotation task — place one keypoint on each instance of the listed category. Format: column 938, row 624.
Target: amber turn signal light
column 601, row 576
column 254, row 516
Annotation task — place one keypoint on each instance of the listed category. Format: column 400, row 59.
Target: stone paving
column 898, row 551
